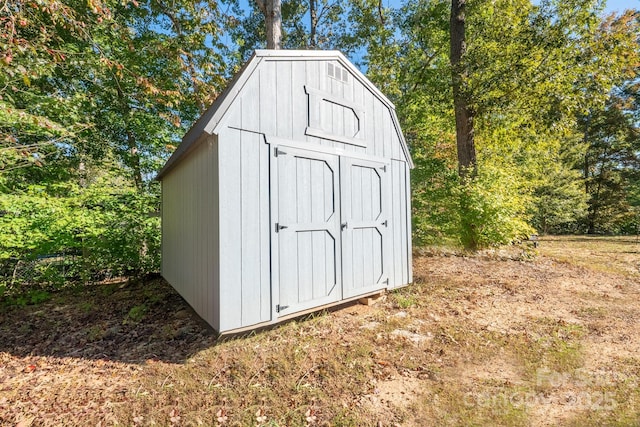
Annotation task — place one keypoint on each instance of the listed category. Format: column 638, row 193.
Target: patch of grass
column 152, row 295
column 591, row 312
column 296, row 372
column 450, row 404
column 404, row 300
column 612, row 400
column 547, row 344
column 32, row 296
column 109, row 288
column 136, row 314
column 96, row 332
column 86, row 306
column 608, row 254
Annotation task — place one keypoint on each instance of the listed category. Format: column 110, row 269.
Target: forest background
column 96, row 94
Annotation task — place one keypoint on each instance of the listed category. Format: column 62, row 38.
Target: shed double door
column 331, row 226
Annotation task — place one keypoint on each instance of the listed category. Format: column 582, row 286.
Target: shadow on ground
column 120, row 322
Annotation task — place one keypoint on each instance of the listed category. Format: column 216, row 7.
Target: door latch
column 384, row 223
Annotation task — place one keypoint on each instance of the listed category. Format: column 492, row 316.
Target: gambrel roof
column 208, row 123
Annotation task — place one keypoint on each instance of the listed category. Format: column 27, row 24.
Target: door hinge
column 280, row 227
column 279, row 308
column 278, row 152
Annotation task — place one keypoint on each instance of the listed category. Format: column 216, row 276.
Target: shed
column 290, row 194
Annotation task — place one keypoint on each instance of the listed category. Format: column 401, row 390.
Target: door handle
column 343, row 225
column 280, row 227
column 384, row 223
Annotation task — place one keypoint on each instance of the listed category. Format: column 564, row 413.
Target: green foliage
column 29, row 297
column 610, row 165
column 491, row 209
column 66, row 233
column 247, row 31
column 534, row 70
column 485, row 211
column 560, row 201
column 93, row 98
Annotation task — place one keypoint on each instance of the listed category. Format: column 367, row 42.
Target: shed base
column 334, row 305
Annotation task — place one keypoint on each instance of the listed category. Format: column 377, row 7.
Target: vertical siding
column 409, row 230
column 267, row 97
column 244, row 224
column 312, row 79
column 358, row 98
column 299, row 114
column 400, row 225
column 189, row 225
column 283, row 111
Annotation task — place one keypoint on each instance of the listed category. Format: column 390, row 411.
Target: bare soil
column 497, row 338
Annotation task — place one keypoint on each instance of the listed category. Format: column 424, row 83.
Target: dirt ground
column 498, row 338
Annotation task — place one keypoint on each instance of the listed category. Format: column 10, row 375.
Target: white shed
column 291, row 193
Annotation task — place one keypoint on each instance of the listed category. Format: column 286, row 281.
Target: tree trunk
column 313, row 13
column 596, row 202
column 134, row 159
column 465, row 144
column 273, row 22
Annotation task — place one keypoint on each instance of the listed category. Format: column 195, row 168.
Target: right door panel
column 364, row 187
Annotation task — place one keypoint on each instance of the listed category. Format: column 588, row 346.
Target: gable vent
column 338, row 73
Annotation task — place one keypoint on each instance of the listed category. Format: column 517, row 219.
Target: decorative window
column 334, row 118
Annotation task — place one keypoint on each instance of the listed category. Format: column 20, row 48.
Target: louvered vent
column 338, row 73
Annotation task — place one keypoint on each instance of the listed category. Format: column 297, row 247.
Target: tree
column 316, row 24
column 559, row 200
column 466, row 150
column 527, row 72
column 611, row 162
column 273, row 21
column 94, row 96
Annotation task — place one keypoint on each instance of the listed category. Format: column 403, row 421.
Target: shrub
column 485, row 211
column 50, row 236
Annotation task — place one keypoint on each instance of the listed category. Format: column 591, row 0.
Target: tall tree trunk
column 586, row 165
column 313, row 13
column 464, row 113
column 586, row 170
column 273, row 22
column 596, row 202
column 134, row 159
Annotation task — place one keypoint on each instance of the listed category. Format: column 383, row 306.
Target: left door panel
column 306, row 229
